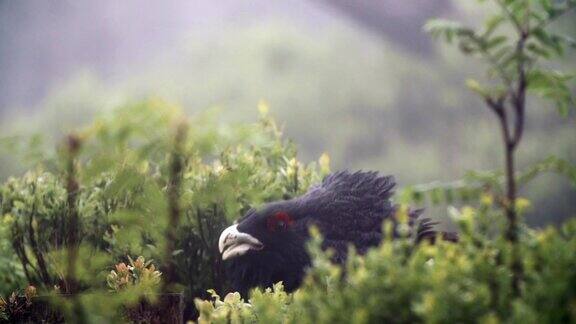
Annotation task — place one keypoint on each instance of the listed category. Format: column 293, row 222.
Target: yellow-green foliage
column 141, row 273
column 123, row 172
column 444, row 283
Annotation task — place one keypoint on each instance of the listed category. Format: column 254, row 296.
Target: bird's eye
column 279, row 221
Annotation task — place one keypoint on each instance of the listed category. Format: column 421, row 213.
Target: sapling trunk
column 176, row 169
column 71, row 282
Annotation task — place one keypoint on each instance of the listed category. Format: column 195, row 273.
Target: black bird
column 269, row 244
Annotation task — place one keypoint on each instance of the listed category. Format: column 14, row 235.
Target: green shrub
column 444, row 283
column 123, row 172
column 141, row 273
column 143, row 180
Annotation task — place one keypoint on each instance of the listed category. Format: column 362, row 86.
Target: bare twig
column 18, row 246
column 42, row 266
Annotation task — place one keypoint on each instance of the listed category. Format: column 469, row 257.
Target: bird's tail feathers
column 426, row 231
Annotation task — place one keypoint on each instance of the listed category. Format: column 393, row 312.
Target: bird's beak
column 233, row 243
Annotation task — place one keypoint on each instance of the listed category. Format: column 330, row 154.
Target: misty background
column 356, row 79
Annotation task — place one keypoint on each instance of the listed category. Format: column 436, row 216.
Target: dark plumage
column 268, row 245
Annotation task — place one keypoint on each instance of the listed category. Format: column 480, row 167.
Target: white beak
column 233, row 243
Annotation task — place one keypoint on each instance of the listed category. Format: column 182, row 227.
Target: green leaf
column 448, row 29
column 546, row 5
column 492, row 24
column 550, row 164
column 538, row 51
column 476, row 87
column 495, row 42
column 550, row 41
column 552, row 86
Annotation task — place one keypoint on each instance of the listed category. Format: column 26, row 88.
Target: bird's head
column 266, row 246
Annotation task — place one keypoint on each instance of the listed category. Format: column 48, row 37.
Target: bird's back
column 349, row 208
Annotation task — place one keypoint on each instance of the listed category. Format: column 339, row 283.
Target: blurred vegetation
column 123, row 175
column 145, row 180
column 380, row 106
column 468, row 282
column 500, row 270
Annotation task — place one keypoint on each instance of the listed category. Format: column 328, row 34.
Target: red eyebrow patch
column 273, row 223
